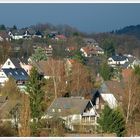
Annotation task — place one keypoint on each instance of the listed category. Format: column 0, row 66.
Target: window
column 53, row 110
column 59, row 110
column 8, row 62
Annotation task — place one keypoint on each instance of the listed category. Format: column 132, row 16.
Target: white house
column 110, row 99
column 18, row 74
column 16, row 69
column 11, row 63
column 16, row 63
column 15, row 36
column 112, row 93
column 90, row 51
column 3, row 77
column 74, row 110
column 19, row 35
column 117, row 60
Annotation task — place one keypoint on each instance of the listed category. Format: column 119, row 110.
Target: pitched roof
column 45, row 67
column 16, row 62
column 89, row 40
column 88, row 50
column 68, row 106
column 38, row 33
column 117, row 88
column 119, row 58
column 17, row 73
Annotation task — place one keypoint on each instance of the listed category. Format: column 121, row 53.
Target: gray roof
column 64, row 106
column 17, row 73
column 22, row 31
column 16, row 62
column 90, row 40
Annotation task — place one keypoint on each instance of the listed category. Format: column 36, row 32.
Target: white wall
column 110, row 99
column 3, row 78
column 112, row 62
column 7, row 66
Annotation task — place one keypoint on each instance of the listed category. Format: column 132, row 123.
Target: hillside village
column 62, row 86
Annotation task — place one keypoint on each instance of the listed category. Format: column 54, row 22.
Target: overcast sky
column 86, row 17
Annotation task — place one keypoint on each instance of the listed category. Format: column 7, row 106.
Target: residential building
column 49, row 51
column 117, row 60
column 38, row 34
column 18, row 74
column 11, row 63
column 112, row 92
column 90, row 51
column 14, row 63
column 75, row 111
column 20, row 34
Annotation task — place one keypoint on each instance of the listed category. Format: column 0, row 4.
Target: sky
column 88, row 18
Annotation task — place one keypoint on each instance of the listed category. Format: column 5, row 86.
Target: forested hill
column 133, row 30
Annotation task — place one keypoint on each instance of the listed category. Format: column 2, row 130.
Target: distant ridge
column 133, row 30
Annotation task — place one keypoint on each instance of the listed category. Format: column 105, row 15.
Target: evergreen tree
column 106, row 71
column 109, row 47
column 14, row 27
column 2, row 27
column 39, row 55
column 34, row 88
column 79, row 57
column 112, row 121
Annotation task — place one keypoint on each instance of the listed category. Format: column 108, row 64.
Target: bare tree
column 57, row 74
column 80, row 80
column 131, row 99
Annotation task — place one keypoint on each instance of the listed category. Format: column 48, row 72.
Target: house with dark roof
column 18, row 74
column 117, row 60
column 11, row 63
column 15, row 69
column 38, row 34
column 20, row 34
column 75, row 111
column 27, row 34
column 14, row 63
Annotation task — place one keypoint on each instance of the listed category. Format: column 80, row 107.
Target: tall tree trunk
column 24, row 129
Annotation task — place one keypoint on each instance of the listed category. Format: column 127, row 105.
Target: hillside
column 133, row 30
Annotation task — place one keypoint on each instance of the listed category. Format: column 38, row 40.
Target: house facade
column 75, row 111
column 90, row 51
column 11, row 63
column 18, row 74
column 13, row 68
column 117, row 60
